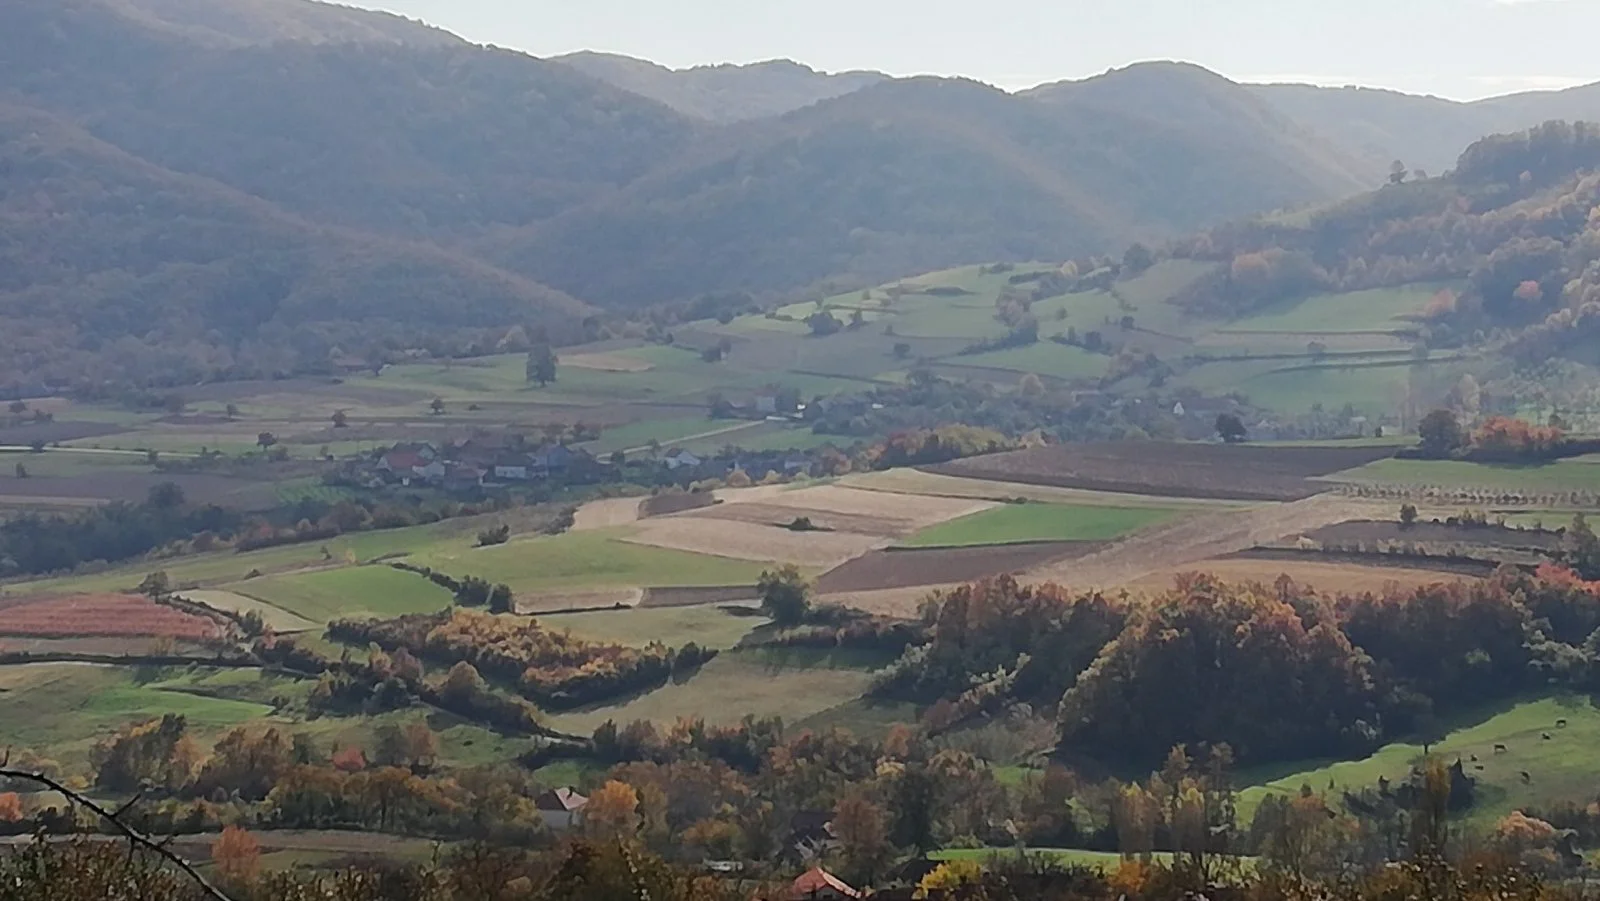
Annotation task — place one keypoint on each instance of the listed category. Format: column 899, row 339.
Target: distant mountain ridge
column 525, row 192
column 723, row 93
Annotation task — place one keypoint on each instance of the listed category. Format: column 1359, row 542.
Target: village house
column 817, row 884
column 678, row 458
column 561, row 808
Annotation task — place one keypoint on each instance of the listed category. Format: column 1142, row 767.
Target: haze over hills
column 726, row 93
column 565, row 172
column 115, row 269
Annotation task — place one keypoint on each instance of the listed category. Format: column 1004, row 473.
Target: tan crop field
column 916, row 511
column 746, row 541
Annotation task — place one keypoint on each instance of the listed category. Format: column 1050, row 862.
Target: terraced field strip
column 1196, row 539
column 932, row 484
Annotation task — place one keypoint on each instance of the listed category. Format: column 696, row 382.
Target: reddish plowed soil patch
column 1233, row 472
column 102, row 615
column 942, row 566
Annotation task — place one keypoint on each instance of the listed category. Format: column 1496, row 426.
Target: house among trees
column 561, row 808
column 817, row 884
column 678, row 458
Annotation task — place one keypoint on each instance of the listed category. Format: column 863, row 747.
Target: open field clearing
column 709, row 627
column 226, row 567
column 105, row 646
column 1182, row 544
column 916, row 512
column 607, row 513
column 1578, row 474
column 760, row 514
column 1242, row 472
column 1022, row 523
column 63, row 708
column 1346, row 578
column 897, row 568
column 102, row 615
column 350, row 592
column 277, row 619
column 558, row 601
column 1379, row 309
column 586, row 561
column 735, row 684
column 932, row 484
column 608, row 362
column 1559, row 768
column 901, row 603
column 746, row 541
column 1045, row 358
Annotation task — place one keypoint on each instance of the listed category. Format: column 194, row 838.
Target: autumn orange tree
column 237, row 856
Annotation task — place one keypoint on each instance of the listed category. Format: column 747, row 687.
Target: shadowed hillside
column 266, row 21
column 114, row 269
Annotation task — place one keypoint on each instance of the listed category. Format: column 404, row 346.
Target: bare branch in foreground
column 135, row 838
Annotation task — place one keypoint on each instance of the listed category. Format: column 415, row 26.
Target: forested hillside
column 910, row 176
column 266, row 21
column 1517, row 224
column 113, row 270
column 407, row 140
column 725, row 93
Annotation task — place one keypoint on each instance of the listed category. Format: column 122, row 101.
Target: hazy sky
column 1455, row 48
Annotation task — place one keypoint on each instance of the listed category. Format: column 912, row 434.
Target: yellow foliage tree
column 237, row 856
column 613, row 810
column 951, row 877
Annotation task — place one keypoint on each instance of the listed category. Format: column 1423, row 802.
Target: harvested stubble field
column 1241, row 472
column 102, row 615
column 747, row 541
column 890, row 569
column 914, row 511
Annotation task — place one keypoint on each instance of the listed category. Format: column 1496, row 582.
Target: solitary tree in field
column 236, row 856
column 1231, row 428
column 902, row 349
column 1441, row 433
column 18, row 407
column 541, row 365
column 156, row 585
column 266, row 440
column 785, row 595
column 231, row 411
column 22, row 471
column 1398, row 172
column 437, row 406
column 341, row 419
column 1408, row 515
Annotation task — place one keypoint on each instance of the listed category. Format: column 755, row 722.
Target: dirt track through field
column 1198, row 538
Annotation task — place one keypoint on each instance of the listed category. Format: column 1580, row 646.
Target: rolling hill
column 920, row 174
column 113, row 269
column 417, row 141
column 266, row 21
column 726, row 93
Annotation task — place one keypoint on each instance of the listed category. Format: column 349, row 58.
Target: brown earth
column 746, row 541
column 1244, row 472
column 778, row 515
column 887, row 569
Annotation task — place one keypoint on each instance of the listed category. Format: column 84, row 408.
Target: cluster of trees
column 1276, row 672
column 919, row 447
column 553, row 669
column 1497, row 439
column 41, row 543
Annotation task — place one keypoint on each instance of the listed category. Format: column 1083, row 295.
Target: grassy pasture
column 589, row 560
column 1580, row 474
column 792, row 685
column 356, row 591
column 1379, row 309
column 1016, row 523
column 1045, row 358
column 674, row 627
column 1560, row 769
